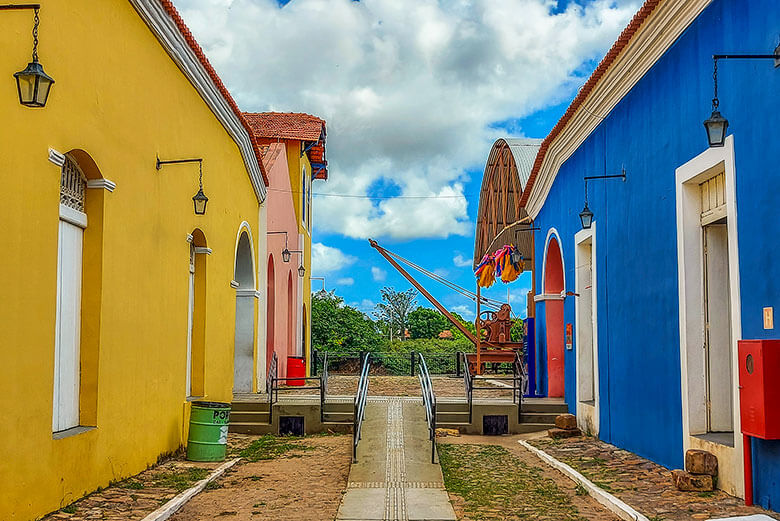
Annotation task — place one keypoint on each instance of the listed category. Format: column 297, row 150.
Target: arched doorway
column 553, row 317
column 270, row 311
column 290, row 317
column 244, row 345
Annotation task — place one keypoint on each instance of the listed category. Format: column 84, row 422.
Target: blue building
column 680, row 262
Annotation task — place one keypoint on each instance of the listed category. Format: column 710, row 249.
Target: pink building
column 293, row 148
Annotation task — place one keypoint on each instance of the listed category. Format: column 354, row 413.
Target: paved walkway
column 394, row 478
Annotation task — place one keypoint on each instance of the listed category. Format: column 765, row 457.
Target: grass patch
column 179, row 479
column 496, row 485
column 132, row 484
column 70, row 509
column 580, row 490
column 269, row 446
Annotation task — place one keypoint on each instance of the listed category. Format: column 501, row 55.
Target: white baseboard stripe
column 170, row 508
column 613, row 504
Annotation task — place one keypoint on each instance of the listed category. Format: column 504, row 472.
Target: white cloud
column 409, row 88
column 346, row 281
column 325, row 259
column 378, row 274
column 442, row 272
column 462, row 262
column 465, row 311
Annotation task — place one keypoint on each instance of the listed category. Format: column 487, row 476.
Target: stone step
column 339, row 417
column 339, row 406
column 452, row 416
column 451, row 407
column 250, row 428
column 249, row 406
column 545, row 407
column 547, row 418
column 249, row 417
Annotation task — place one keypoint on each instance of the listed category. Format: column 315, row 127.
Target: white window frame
column 691, row 306
column 587, row 415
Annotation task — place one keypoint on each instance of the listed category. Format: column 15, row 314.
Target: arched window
column 67, row 343
column 196, row 315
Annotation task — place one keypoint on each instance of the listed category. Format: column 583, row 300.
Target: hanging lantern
column 586, row 216
column 301, row 271
column 32, row 84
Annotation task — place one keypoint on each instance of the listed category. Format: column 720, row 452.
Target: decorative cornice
column 624, row 66
column 202, row 249
column 251, row 292
column 234, row 284
column 190, row 238
column 176, row 45
column 548, row 296
column 56, row 157
column 105, row 184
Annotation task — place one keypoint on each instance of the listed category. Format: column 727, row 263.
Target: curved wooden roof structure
column 500, row 213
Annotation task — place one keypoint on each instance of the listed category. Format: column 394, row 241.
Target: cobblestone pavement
column 444, row 386
column 642, row 484
column 136, row 497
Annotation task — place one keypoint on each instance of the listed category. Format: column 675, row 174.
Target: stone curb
column 170, row 508
column 618, row 507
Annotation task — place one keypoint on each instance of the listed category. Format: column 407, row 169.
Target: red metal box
column 759, row 388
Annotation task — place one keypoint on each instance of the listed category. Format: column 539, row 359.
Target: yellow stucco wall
column 296, row 163
column 119, row 97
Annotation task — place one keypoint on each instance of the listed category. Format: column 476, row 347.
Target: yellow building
column 289, row 213
column 120, row 303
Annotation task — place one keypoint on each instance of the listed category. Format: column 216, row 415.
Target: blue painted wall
column 656, row 128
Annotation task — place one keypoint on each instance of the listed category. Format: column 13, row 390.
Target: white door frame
column 587, row 415
column 691, row 307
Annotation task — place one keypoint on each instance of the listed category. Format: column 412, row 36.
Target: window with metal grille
column 73, row 185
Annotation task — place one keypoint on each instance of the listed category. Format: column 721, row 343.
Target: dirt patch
column 641, row 483
column 494, row 478
column 304, row 479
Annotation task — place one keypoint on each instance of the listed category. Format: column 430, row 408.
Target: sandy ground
column 298, row 486
column 588, row 507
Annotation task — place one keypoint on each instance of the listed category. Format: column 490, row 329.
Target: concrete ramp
column 394, row 478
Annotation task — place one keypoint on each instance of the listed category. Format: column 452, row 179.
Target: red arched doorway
column 271, row 310
column 553, row 318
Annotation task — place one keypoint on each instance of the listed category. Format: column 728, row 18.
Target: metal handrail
column 468, row 383
column 429, row 401
column 323, row 386
column 518, row 370
column 271, row 387
column 360, row 405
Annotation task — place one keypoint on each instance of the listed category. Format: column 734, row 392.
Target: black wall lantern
column 301, row 270
column 286, row 253
column 199, row 200
column 716, row 125
column 32, row 84
column 586, row 216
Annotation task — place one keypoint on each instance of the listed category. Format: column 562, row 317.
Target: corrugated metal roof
column 524, row 152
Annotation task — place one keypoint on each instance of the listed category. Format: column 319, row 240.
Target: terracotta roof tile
column 177, row 19
column 294, row 125
column 625, row 37
column 286, row 125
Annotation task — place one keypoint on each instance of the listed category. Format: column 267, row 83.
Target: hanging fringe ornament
column 485, row 271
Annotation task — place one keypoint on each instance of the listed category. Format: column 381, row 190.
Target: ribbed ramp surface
column 394, row 478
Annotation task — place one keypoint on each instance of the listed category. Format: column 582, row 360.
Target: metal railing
column 323, row 387
column 468, row 382
column 429, row 401
column 515, row 382
column 360, row 405
column 274, row 384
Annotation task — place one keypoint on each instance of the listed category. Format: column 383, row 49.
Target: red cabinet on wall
column 759, row 388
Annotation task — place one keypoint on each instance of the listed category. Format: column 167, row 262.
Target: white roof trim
column 656, row 35
column 166, row 31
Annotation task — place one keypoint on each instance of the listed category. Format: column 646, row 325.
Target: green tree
column 427, row 323
column 338, row 327
column 395, row 308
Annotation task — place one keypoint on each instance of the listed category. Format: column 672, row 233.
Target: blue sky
column 414, row 93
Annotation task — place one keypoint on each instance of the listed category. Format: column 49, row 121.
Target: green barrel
column 208, row 431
